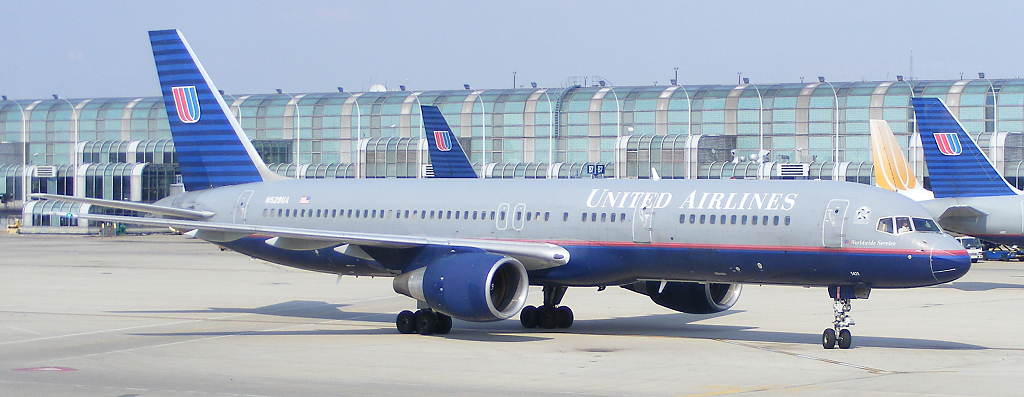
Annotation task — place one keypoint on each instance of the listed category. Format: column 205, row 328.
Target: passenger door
column 241, row 206
column 833, row 227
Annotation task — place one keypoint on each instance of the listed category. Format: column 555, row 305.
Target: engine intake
column 689, row 297
column 475, row 286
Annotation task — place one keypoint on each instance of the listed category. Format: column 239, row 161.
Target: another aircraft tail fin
column 211, row 147
column 892, row 171
column 956, row 166
column 446, row 155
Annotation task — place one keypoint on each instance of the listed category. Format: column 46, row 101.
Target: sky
column 80, row 49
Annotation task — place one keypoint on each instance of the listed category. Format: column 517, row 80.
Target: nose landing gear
column 839, row 334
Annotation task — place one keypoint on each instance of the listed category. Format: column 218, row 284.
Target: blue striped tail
column 446, row 155
column 956, row 166
column 211, row 147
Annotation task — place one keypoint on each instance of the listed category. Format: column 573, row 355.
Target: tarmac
column 165, row 315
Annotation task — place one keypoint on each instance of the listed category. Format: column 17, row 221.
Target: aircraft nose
column 949, row 260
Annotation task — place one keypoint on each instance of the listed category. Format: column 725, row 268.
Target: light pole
column 298, row 130
column 483, row 134
column 688, row 111
column 995, row 103
column 835, row 127
column 618, row 127
column 760, row 121
column 74, row 148
column 909, row 105
column 24, row 154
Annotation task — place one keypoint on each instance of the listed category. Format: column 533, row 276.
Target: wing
column 533, row 255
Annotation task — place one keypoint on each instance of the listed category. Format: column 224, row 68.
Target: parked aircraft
column 970, row 196
column 469, row 248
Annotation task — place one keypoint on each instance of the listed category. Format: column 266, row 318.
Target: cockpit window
column 885, row 225
column 903, row 225
column 926, row 225
column 906, row 224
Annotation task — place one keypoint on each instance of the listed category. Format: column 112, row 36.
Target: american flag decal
column 304, row 200
column 187, row 103
column 948, row 143
column 443, row 140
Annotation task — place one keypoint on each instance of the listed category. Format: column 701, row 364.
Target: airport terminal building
column 120, row 148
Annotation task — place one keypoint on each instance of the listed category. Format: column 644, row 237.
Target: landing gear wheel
column 547, row 317
column 444, row 324
column 529, row 317
column 426, row 322
column 564, row 315
column 828, row 338
column 406, row 322
column 845, row 339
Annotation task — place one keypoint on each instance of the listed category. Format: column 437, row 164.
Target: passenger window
column 787, row 220
column 265, row 212
column 374, row 214
column 278, row 212
column 903, row 225
column 406, row 214
column 713, row 219
column 743, row 220
column 431, row 214
column 492, row 215
column 350, row 213
column 776, row 220
column 303, row 213
column 885, row 225
column 622, row 216
column 593, row 217
column 334, row 213
column 547, row 215
column 692, row 217
column 519, row 216
column 764, row 220
column 604, row 216
column 465, row 214
column 317, row 213
column 732, row 219
column 584, row 216
column 613, row 217
column 502, row 215
column 682, row 217
column 528, row 215
column 365, row 213
column 456, row 214
column 702, row 219
column 721, row 219
column 753, row 220
column 565, row 216
column 357, row 213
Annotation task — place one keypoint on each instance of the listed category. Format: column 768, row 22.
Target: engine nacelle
column 689, row 297
column 476, row 286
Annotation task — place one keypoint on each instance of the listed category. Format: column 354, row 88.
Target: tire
column 828, row 338
column 444, row 324
column 426, row 322
column 845, row 339
column 406, row 322
column 564, row 316
column 547, row 317
column 528, row 316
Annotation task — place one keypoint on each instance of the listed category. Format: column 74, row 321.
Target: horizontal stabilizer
column 132, row 206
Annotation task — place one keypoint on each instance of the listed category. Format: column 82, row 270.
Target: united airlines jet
column 469, row 248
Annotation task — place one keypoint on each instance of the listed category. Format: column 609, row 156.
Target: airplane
column 469, row 248
column 968, row 194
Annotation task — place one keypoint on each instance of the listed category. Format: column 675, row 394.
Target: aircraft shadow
column 671, row 325
column 977, row 286
column 314, row 310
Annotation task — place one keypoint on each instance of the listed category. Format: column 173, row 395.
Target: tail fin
column 211, row 147
column 892, row 171
column 446, row 155
column 957, row 167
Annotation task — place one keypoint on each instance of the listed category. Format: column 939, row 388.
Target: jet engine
column 689, row 297
column 476, row 286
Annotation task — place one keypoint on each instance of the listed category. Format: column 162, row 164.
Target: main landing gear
column 550, row 315
column 423, row 322
column 838, row 334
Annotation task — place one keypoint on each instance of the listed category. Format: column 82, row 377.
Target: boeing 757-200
column 469, row 248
